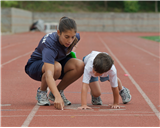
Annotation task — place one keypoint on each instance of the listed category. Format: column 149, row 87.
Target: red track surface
column 133, row 55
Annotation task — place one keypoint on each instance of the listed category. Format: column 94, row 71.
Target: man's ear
column 58, row 32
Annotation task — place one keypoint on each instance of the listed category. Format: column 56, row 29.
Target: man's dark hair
column 102, row 63
column 67, row 23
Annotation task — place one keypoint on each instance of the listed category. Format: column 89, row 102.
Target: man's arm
column 49, row 73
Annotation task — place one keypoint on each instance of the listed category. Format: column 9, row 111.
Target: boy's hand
column 58, row 103
column 84, row 107
column 114, row 106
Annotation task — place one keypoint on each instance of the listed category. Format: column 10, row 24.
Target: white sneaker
column 42, row 98
column 96, row 100
column 125, row 95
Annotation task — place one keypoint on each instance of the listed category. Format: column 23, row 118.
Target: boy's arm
column 116, row 97
column 84, row 91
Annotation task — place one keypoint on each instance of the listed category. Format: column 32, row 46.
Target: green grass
column 154, row 38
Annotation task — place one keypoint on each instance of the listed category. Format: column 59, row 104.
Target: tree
column 156, row 6
column 105, row 4
column 9, row 3
column 131, row 6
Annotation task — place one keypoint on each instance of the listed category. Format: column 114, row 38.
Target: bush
column 131, row 6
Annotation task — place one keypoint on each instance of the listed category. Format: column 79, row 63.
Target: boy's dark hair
column 102, row 63
column 66, row 23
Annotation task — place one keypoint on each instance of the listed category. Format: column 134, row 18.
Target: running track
column 137, row 57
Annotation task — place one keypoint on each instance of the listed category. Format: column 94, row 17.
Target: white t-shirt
column 88, row 70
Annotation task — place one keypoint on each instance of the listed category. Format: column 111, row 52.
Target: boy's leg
column 95, row 91
column 120, row 87
column 124, row 92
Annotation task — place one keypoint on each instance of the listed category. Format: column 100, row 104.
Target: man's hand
column 58, row 103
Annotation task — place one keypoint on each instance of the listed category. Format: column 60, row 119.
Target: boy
column 101, row 64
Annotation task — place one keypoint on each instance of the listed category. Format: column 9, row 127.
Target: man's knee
column 57, row 70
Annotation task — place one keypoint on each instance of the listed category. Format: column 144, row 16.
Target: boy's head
column 102, row 63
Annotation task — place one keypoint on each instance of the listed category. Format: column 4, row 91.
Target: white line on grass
column 133, row 81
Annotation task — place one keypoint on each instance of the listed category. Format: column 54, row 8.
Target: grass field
column 154, row 38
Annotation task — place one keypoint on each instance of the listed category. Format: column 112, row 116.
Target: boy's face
column 96, row 73
column 66, row 38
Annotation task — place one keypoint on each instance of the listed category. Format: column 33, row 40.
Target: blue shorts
column 34, row 68
column 93, row 79
column 102, row 79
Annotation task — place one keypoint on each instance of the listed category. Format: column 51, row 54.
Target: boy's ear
column 58, row 32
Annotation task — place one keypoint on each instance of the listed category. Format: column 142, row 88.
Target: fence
column 17, row 20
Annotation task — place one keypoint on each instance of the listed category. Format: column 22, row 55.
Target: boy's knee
column 97, row 94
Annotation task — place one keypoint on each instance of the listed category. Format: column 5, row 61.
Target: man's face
column 66, row 38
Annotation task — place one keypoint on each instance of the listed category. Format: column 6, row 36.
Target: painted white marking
column 5, row 104
column 133, row 81
column 87, row 115
column 10, row 45
column 102, row 115
column 30, row 116
column 142, row 49
column 75, row 107
column 111, row 109
column 15, row 58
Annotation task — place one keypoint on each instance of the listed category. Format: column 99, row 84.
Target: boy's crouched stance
column 101, row 64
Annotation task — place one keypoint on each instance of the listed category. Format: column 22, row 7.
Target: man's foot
column 42, row 98
column 52, row 98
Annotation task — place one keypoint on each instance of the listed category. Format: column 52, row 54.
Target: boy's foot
column 125, row 94
column 42, row 98
column 96, row 100
column 52, row 98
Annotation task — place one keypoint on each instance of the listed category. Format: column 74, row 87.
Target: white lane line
column 15, row 58
column 5, row 104
column 102, row 115
column 89, row 115
column 30, row 116
column 141, row 49
column 10, row 45
column 133, row 81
